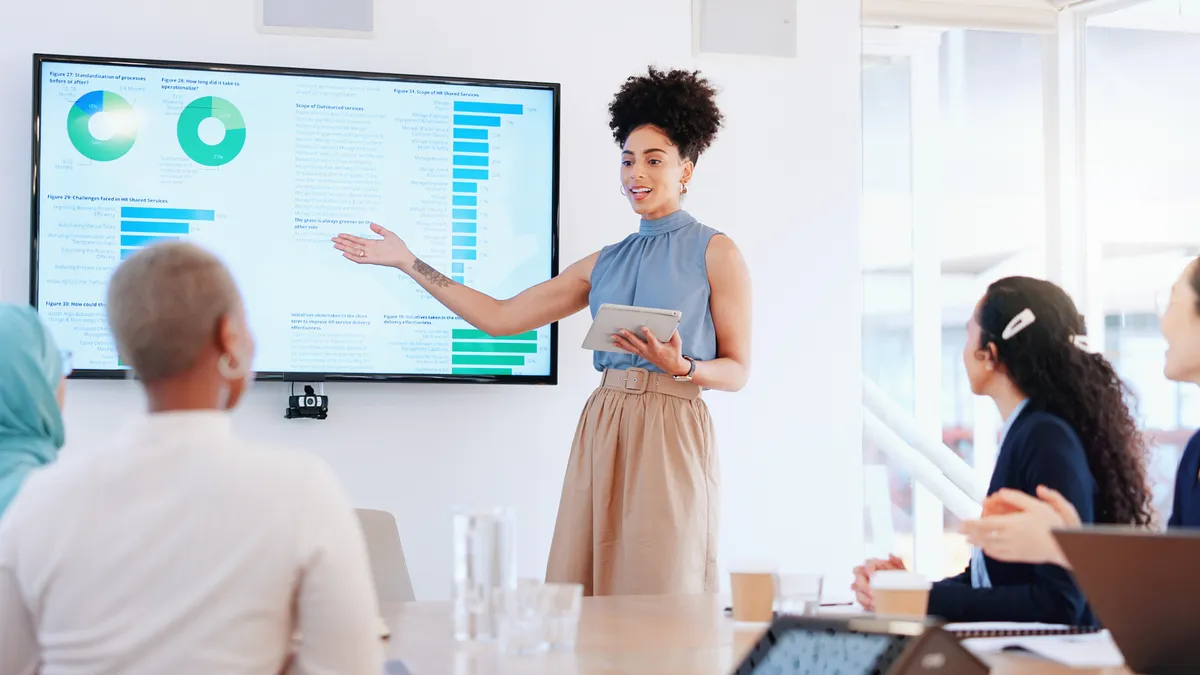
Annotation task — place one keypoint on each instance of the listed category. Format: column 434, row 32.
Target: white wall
column 783, row 181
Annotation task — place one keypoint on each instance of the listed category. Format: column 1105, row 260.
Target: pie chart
column 196, row 114
column 102, row 126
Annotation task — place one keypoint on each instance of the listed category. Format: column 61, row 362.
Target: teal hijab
column 31, row 425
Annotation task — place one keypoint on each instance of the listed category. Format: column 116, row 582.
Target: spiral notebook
column 987, row 629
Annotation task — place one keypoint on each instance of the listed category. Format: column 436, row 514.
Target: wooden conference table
column 638, row 635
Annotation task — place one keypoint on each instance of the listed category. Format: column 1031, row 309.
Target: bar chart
column 146, row 226
column 474, row 352
column 475, row 123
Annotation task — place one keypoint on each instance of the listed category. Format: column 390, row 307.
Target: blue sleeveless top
column 662, row 265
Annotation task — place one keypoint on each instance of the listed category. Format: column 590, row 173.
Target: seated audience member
column 31, row 396
column 1017, row 528
column 1066, row 427
column 175, row 546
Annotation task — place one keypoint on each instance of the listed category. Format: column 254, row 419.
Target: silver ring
column 362, row 252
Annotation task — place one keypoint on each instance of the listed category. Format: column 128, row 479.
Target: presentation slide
column 263, row 169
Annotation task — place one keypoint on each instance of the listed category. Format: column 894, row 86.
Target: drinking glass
column 562, row 618
column 522, row 616
column 484, row 566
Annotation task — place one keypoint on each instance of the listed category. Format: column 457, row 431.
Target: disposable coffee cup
column 900, row 593
column 753, row 593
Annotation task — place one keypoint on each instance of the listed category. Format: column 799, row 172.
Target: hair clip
column 1019, row 323
column 1082, row 342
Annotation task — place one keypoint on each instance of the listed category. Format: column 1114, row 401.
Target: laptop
column 1144, row 587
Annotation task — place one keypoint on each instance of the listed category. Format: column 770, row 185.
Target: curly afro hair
column 681, row 103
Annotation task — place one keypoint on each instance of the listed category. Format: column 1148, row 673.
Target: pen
column 729, row 610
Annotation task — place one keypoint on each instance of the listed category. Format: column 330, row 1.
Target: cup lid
column 899, row 580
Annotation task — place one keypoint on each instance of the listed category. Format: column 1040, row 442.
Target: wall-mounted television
column 263, row 166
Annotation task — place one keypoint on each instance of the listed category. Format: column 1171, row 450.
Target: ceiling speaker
column 759, row 28
column 333, row 18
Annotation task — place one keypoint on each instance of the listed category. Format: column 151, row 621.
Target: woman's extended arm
column 533, row 308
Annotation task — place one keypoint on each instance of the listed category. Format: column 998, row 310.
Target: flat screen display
column 263, row 166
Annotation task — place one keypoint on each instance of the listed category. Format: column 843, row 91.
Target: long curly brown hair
column 1076, row 385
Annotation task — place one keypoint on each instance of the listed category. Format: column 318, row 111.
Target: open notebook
column 985, row 629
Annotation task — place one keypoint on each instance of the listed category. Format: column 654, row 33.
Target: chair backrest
column 392, row 583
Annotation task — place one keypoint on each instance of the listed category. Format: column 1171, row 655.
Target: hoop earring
column 624, row 193
column 683, row 188
column 227, row 369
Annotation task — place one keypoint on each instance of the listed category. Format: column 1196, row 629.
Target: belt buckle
column 636, row 380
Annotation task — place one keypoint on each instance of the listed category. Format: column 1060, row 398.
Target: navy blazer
column 1039, row 449
column 1185, row 512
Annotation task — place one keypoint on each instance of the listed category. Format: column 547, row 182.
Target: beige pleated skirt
column 639, row 507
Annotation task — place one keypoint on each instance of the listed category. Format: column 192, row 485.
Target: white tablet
column 612, row 318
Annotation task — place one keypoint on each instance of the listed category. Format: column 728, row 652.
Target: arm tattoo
column 434, row 277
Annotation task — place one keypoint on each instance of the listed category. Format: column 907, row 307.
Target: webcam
column 310, row 405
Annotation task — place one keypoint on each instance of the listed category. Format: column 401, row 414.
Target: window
column 953, row 199
column 1143, row 166
column 887, row 288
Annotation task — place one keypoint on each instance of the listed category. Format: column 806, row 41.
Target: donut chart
column 224, row 112
column 122, row 123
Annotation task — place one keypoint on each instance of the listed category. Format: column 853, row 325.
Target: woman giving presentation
column 639, row 504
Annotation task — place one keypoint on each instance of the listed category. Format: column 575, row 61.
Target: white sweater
column 180, row 549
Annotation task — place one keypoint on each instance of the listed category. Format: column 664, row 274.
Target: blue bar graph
column 489, row 108
column 166, row 214
column 470, row 160
column 464, row 214
column 476, row 121
column 154, row 227
column 467, row 146
column 462, row 241
column 143, row 240
column 471, row 174
column 457, row 268
column 463, row 254
column 466, row 187
column 466, row 200
column 464, row 228
column 472, row 134
column 126, row 252
column 457, row 280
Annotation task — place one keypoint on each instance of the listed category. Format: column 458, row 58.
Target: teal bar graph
column 143, row 240
column 471, row 188
column 465, row 146
column 476, row 121
column 489, row 108
column 471, row 174
column 463, row 254
column 471, row 134
column 463, row 241
column 466, row 200
column 465, row 214
column 464, row 228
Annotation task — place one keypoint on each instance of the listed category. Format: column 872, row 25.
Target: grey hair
column 164, row 305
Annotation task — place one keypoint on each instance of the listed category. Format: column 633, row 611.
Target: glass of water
column 562, row 618
column 798, row 594
column 522, row 618
column 484, row 567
